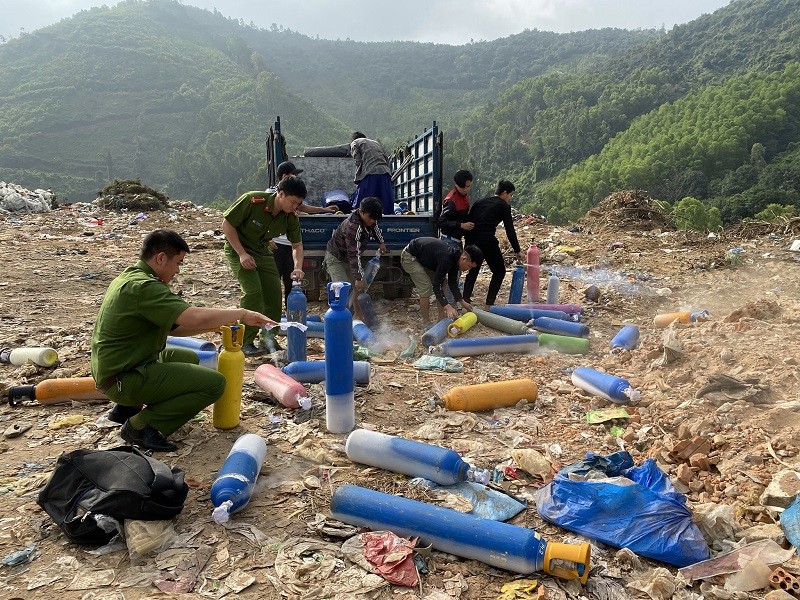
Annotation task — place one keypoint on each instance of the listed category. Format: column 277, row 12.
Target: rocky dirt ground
column 726, row 391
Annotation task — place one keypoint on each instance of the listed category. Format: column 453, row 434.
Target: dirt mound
column 627, row 209
column 131, row 194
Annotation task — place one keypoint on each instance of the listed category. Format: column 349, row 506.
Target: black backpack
column 121, row 483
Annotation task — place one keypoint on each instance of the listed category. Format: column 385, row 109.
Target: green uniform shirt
column 252, row 217
column 138, row 312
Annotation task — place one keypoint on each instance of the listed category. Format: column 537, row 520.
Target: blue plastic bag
column 648, row 516
column 790, row 523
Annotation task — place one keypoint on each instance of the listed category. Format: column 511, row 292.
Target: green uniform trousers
column 173, row 389
column 261, row 289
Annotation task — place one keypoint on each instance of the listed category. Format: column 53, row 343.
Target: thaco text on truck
column 417, row 180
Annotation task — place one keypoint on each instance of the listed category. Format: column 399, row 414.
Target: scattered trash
column 429, row 362
column 19, row 557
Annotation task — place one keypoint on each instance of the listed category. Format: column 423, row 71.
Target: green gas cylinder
column 231, row 365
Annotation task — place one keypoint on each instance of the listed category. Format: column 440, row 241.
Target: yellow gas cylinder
column 662, row 321
column 462, row 324
column 486, row 396
column 231, row 365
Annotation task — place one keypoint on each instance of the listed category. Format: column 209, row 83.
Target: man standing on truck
column 428, row 261
column 281, row 246
column 373, row 174
column 348, row 242
column 487, row 214
column 248, row 225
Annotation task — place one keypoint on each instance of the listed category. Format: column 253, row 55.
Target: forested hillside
column 701, row 146
column 181, row 97
column 704, row 115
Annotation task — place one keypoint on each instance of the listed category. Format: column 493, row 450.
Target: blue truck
column 417, row 180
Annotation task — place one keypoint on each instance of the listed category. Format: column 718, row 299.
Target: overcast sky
column 441, row 21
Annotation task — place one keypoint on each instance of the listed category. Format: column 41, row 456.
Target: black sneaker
column 252, row 350
column 120, row 413
column 148, row 438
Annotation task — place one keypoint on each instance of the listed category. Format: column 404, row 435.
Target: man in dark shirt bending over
column 487, row 214
column 428, row 260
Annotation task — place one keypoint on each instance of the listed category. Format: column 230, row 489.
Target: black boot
column 148, row 438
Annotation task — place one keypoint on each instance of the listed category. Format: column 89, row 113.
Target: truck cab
column 417, row 180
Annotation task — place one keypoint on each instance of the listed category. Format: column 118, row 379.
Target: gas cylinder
column 486, row 396
column 552, row 289
column 412, row 458
column 564, row 344
column 363, row 334
column 316, row 329
column 296, row 311
column 570, row 309
column 340, row 408
column 523, row 313
column 605, row 385
column 626, row 339
column 499, row 544
column 231, row 365
column 233, row 486
column 560, row 327
column 502, row 344
column 501, row 323
column 192, row 343
column 462, row 324
column 56, row 391
column 437, row 332
column 313, row 371
column 517, row 283
column 532, row 265
column 44, row 357
column 283, row 388
column 370, row 317
column 683, row 316
column 370, row 270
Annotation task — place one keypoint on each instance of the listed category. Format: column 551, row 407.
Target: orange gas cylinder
column 486, row 396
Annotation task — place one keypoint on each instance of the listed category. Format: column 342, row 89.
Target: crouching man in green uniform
column 156, row 390
column 249, row 224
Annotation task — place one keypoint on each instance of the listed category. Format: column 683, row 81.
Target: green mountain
column 683, row 115
column 181, row 97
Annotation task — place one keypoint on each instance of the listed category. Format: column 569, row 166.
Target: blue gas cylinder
column 560, row 327
column 517, row 284
column 340, row 408
column 502, row 344
column 412, row 458
column 437, row 333
column 605, row 385
column 313, row 371
column 525, row 313
column 495, row 543
column 370, row 270
column 368, row 313
column 296, row 312
column 626, row 339
column 363, row 334
column 234, row 484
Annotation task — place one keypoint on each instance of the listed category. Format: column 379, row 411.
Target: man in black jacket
column 428, row 261
column 487, row 214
